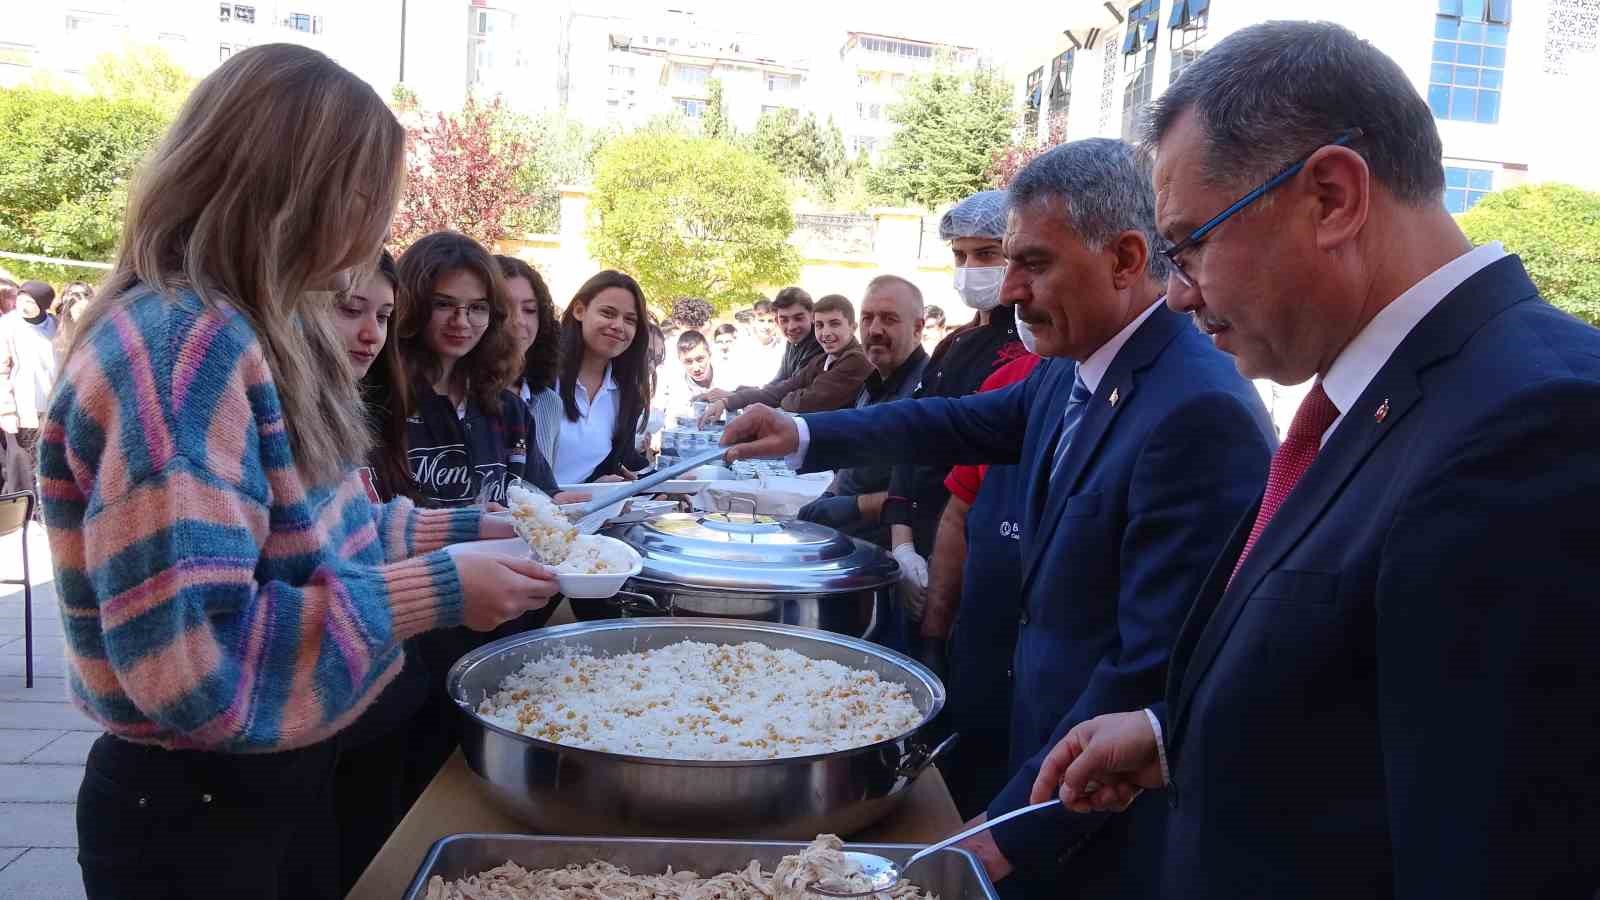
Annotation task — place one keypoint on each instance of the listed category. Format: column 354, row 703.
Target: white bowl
column 602, row 586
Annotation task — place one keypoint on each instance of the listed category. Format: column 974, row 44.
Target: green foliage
column 807, row 151
column 715, row 123
column 403, row 98
column 65, row 164
column 559, row 151
column 142, row 74
column 951, row 125
column 691, row 217
column 1555, row 228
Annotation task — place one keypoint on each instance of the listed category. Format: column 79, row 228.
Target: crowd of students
column 270, row 457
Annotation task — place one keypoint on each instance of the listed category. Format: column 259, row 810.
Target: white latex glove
column 913, row 579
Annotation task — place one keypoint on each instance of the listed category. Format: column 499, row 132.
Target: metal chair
column 16, row 511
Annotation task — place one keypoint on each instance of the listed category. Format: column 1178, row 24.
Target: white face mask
column 979, row 287
column 1025, row 335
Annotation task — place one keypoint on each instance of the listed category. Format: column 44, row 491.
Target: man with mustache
column 891, row 333
column 1141, row 445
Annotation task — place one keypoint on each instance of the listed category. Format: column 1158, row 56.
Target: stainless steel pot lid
column 727, row 551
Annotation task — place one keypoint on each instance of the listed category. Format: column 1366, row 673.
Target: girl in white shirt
column 605, row 380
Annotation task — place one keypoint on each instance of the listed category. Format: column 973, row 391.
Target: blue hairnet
column 981, row 215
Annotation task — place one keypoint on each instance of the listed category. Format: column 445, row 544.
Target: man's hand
column 760, row 432
column 1102, row 764
column 714, row 394
column 713, row 412
column 982, row 846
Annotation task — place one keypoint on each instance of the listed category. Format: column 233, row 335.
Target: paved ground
column 43, row 741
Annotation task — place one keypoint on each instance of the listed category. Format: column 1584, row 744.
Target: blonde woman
column 231, row 597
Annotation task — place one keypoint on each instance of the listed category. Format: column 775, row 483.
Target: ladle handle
column 981, row 827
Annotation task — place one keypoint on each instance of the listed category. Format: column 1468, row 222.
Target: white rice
column 541, row 523
column 592, row 555
column 695, row 700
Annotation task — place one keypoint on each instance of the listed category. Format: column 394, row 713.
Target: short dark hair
column 836, row 303
column 1270, row 93
column 726, row 329
column 746, row 316
column 761, row 307
column 793, row 296
column 933, row 314
column 691, row 339
column 42, row 294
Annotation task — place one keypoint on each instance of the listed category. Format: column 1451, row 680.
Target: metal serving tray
column 952, row 874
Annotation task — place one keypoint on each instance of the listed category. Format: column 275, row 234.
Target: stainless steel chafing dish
column 559, row 789
column 760, row 568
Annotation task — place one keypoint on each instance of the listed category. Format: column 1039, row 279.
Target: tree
column 463, row 174
column 1555, row 228
column 804, row 150
column 142, row 73
column 65, row 164
column 560, row 152
column 691, row 216
column 715, row 123
column 1015, row 156
column 950, row 126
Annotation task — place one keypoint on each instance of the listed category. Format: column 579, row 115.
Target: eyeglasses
column 1199, row 234
column 477, row 311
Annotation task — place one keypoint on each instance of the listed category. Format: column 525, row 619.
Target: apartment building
column 873, row 72
column 1500, row 77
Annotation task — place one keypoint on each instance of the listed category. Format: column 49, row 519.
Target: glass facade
column 1464, row 187
column 1469, row 59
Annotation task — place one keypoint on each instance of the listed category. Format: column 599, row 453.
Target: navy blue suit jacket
column 1172, row 449
column 1396, row 697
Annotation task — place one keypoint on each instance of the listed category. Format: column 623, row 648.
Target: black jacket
column 453, row 457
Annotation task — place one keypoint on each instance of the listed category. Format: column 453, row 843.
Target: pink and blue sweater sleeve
column 406, row 530
column 211, row 598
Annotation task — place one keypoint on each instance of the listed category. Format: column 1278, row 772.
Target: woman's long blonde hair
column 281, row 172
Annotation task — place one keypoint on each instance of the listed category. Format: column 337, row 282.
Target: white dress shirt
column 1358, row 363
column 1093, row 370
column 586, row 443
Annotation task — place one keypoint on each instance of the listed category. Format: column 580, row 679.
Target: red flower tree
column 461, row 175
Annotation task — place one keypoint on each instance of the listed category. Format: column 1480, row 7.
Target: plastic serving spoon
column 884, row 874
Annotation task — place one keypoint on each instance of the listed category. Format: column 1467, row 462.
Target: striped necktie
column 1076, row 404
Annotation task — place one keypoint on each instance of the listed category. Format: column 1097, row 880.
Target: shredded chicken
column 820, row 862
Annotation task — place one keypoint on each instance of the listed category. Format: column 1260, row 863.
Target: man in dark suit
column 1387, row 687
column 1139, row 456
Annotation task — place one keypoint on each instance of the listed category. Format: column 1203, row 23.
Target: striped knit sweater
column 212, row 599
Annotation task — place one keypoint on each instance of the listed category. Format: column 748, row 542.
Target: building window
column 891, row 47
column 627, row 72
column 693, row 75
column 866, row 146
column 1061, row 85
column 226, row 50
column 1469, row 59
column 1031, row 94
column 1188, row 24
column 1143, row 25
column 245, row 14
column 1464, row 187
column 226, row 13
column 780, row 83
column 690, row 108
column 300, row 22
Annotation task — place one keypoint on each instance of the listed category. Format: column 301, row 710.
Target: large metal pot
column 558, row 789
column 757, row 568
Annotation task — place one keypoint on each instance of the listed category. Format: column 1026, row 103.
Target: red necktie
column 1294, row 457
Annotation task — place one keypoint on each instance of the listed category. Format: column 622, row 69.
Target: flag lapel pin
column 1113, row 398
column 1382, row 412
